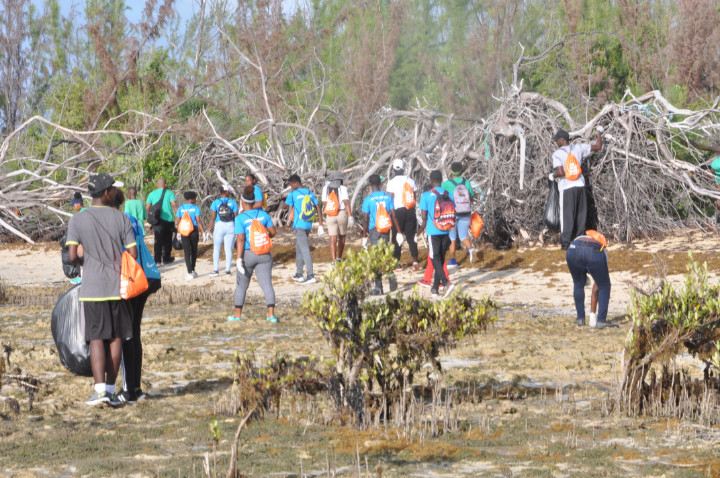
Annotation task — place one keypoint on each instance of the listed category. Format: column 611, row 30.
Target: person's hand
column 351, row 221
column 600, row 129
column 551, row 176
column 400, row 239
column 364, row 242
column 178, row 236
column 321, row 231
column 240, row 266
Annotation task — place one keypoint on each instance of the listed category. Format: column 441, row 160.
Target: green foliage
column 668, row 320
column 386, row 342
column 160, row 163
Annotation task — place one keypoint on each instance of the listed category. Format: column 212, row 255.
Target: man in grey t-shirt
column 571, row 184
column 103, row 232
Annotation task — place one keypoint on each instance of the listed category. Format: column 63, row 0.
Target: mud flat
column 535, row 389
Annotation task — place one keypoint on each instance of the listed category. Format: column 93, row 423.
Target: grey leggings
column 263, row 265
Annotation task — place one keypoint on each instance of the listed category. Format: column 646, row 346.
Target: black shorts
column 109, row 319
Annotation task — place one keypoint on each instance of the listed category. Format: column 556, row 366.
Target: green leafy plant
column 380, row 345
column 668, row 322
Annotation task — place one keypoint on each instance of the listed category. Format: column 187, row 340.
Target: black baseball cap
column 101, row 182
column 561, row 134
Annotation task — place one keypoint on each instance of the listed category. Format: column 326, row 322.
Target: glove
column 351, row 221
column 240, row 266
column 321, row 231
column 400, row 239
column 364, row 242
column 206, row 237
column 178, row 236
column 600, row 129
column 551, row 176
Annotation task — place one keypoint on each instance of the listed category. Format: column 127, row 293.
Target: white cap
column 226, row 187
column 398, row 164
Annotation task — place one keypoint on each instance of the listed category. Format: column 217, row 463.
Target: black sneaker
column 434, row 292
column 581, row 321
column 169, row 261
column 604, row 325
column 127, row 397
column 141, row 395
column 298, row 278
column 377, row 291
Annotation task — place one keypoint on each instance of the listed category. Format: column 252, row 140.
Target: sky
column 184, row 7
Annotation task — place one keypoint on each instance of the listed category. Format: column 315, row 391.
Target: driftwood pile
column 647, row 179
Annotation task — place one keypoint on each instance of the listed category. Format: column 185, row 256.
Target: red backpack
column 444, row 215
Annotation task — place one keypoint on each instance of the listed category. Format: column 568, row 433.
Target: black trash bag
column 70, row 270
column 68, row 330
column 551, row 218
column 177, row 244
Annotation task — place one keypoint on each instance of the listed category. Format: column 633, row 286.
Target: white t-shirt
column 580, row 151
column 396, row 185
column 342, row 195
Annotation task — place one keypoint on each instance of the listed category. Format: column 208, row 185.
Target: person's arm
column 366, row 224
column 73, row 254
column 200, row 224
column 394, row 221
column 257, row 205
column 597, row 146
column 174, row 206
column 347, row 206
column 271, row 231
column 133, row 251
column 240, row 245
column 559, row 172
column 319, row 214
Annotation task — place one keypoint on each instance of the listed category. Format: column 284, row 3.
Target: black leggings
column 190, row 246
column 132, row 349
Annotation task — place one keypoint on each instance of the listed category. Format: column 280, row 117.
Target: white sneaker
column 214, row 274
column 194, row 274
column 189, row 277
column 470, row 253
column 309, row 280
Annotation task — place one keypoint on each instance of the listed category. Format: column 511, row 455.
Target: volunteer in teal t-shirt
column 258, row 196
column 438, row 241
column 301, row 228
column 249, row 261
column 223, row 211
column 190, row 241
column 370, row 207
column 135, row 208
column 164, row 231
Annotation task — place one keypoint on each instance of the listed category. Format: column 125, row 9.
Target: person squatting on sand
column 223, row 211
column 304, row 209
column 378, row 220
column 103, row 231
column 191, row 239
column 336, row 203
column 587, row 255
column 254, row 229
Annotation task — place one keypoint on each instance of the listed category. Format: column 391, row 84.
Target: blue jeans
column 223, row 235
column 585, row 257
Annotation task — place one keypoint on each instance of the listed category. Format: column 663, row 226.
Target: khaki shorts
column 338, row 224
